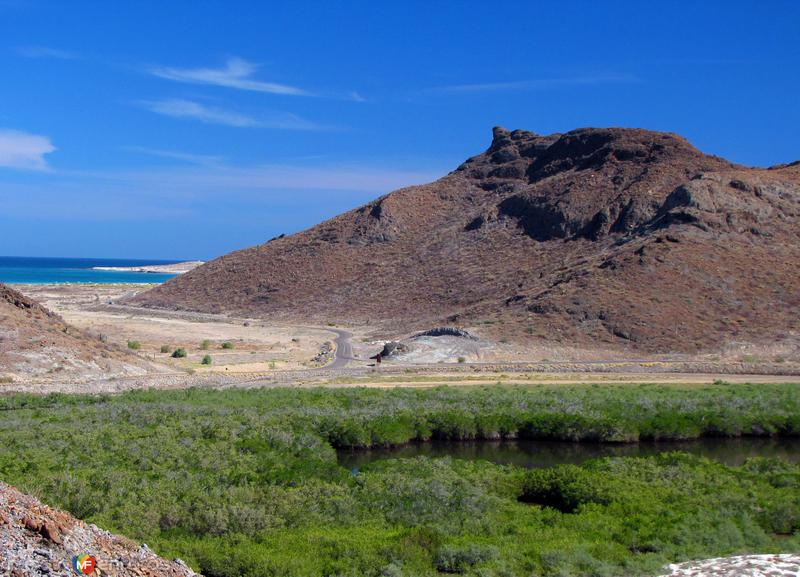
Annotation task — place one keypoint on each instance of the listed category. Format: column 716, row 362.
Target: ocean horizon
column 58, row 270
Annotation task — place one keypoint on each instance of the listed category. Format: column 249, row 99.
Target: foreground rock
column 38, row 540
column 784, row 565
column 619, row 238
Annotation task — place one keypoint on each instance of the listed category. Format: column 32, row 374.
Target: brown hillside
column 593, row 236
column 37, row 343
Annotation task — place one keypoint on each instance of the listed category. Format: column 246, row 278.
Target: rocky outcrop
column 447, row 332
column 779, row 565
column 614, row 237
column 37, row 540
column 392, row 349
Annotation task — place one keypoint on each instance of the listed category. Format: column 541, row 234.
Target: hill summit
column 594, row 236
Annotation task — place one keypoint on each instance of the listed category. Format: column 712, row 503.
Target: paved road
column 344, row 349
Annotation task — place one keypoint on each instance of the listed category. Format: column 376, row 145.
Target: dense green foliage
column 246, row 482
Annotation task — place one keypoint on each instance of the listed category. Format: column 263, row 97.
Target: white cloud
column 46, row 52
column 237, row 73
column 537, row 84
column 191, row 158
column 180, row 108
column 24, row 151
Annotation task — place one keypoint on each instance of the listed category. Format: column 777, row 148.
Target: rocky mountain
column 597, row 236
column 38, row 540
column 36, row 343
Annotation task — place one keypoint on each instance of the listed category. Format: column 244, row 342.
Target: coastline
column 176, row 268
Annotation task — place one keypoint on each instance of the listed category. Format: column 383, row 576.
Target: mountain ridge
column 594, row 236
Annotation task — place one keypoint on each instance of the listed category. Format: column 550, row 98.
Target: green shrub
column 205, row 345
column 206, row 360
column 452, row 559
column 247, row 482
column 165, row 348
column 227, row 345
column 134, row 345
column 179, row 353
column 462, row 360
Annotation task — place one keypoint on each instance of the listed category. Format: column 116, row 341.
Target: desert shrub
column 227, row 345
column 457, row 559
column 247, row 482
column 134, row 345
column 165, row 348
column 462, row 360
column 564, row 488
column 206, row 360
column 204, row 346
column 179, row 353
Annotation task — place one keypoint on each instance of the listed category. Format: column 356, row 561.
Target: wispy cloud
column 355, row 96
column 302, row 193
column 45, row 52
column 237, row 73
column 535, row 84
column 199, row 181
column 181, row 108
column 188, row 157
column 24, row 151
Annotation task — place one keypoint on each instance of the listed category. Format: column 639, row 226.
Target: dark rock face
column 392, row 349
column 597, row 236
column 447, row 332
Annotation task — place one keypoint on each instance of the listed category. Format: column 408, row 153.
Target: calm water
column 537, row 454
column 27, row 270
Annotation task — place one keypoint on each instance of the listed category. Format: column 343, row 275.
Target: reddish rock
column 558, row 237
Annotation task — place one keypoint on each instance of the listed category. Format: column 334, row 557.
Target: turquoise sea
column 44, row 270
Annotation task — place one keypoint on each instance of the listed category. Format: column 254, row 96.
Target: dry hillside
column 36, row 343
column 597, row 236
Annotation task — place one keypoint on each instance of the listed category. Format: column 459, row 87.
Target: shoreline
column 175, row 268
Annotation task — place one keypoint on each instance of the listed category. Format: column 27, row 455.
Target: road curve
column 343, row 353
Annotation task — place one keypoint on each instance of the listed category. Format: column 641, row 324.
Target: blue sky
column 188, row 129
